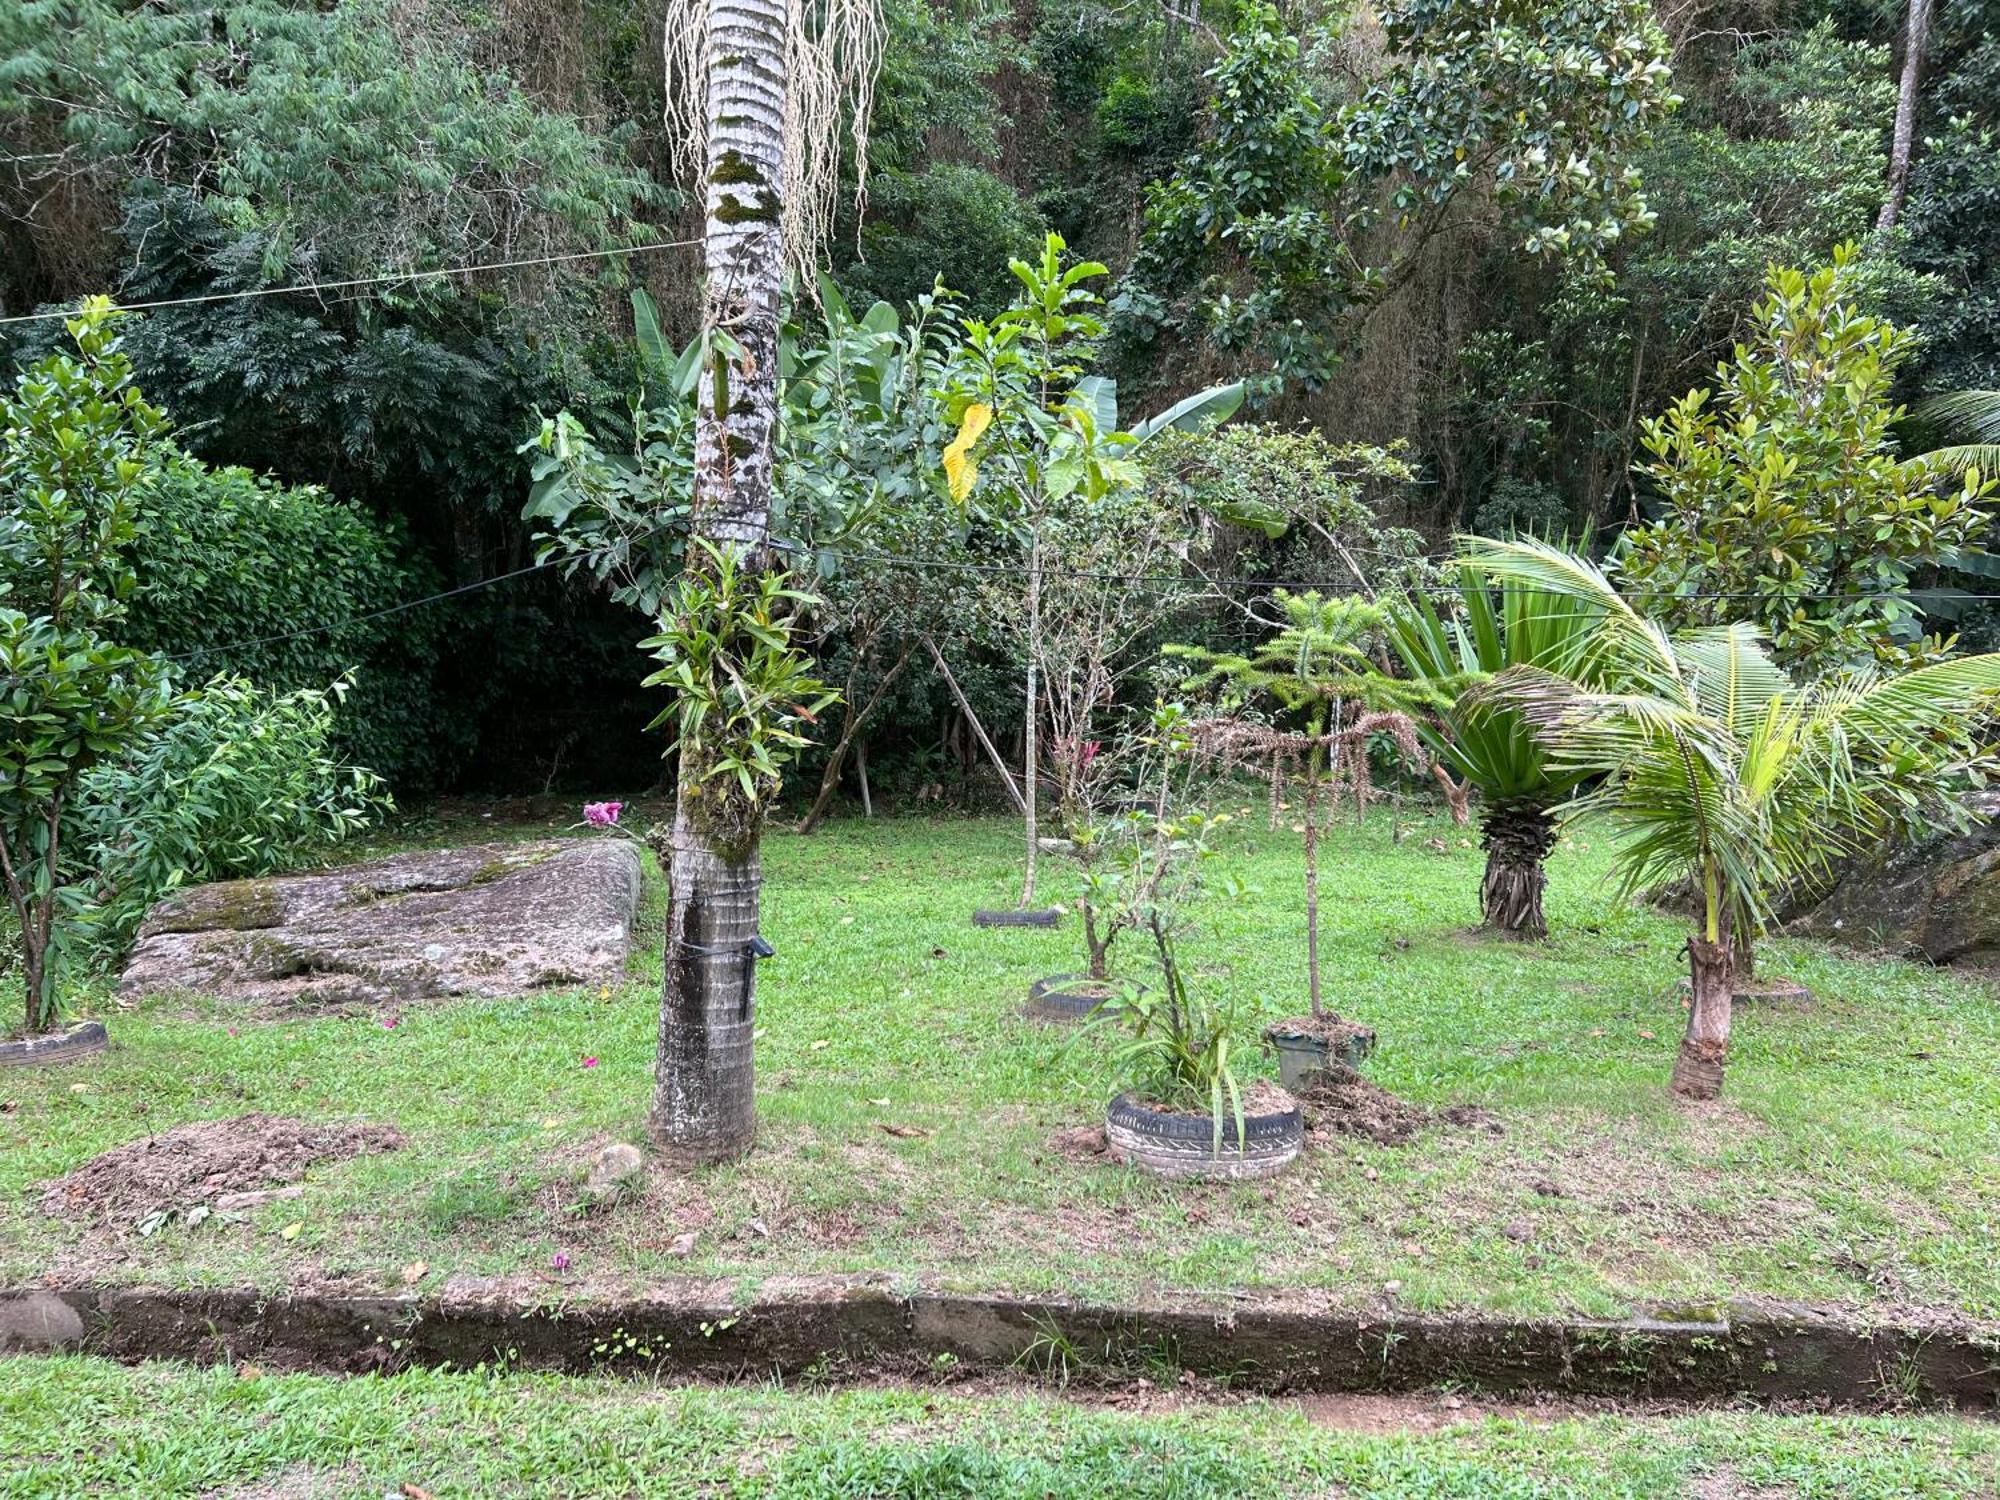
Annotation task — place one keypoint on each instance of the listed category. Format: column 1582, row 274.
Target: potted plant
column 1328, row 704
column 1183, row 1109
column 1126, row 858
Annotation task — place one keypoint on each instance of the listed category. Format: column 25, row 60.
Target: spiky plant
column 1316, row 677
column 1724, row 773
column 1489, row 744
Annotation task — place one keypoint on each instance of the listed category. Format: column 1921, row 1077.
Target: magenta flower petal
column 590, row 1062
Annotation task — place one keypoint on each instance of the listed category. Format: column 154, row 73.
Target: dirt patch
column 1342, row 1102
column 1084, row 1143
column 197, row 1163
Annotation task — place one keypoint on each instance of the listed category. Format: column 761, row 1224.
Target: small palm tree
column 1489, row 744
column 1724, row 773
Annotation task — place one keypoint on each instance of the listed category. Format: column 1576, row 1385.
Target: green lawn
column 73, row 1425
column 1852, row 1161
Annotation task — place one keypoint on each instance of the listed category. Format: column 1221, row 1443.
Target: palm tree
column 1973, row 417
column 1489, row 744
column 759, row 91
column 1724, row 773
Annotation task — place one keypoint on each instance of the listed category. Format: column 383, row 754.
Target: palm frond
column 1731, row 673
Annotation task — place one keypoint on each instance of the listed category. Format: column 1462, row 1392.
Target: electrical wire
column 313, row 288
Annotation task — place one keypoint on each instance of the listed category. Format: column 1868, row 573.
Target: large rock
column 1938, row 899
column 494, row 919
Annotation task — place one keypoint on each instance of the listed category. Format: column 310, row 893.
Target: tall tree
column 1916, row 36
column 763, row 89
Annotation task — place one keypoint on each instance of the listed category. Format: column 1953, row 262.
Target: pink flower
column 389, row 1022
column 232, row 1031
column 1088, row 753
column 602, row 814
column 560, row 1260
column 590, row 1062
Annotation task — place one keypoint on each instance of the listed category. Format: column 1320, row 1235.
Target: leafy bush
column 227, row 558
column 236, row 781
column 77, row 444
column 950, row 220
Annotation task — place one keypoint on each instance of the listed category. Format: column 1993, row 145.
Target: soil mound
column 1342, row 1102
column 197, row 1163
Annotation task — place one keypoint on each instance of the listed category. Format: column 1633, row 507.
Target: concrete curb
column 848, row 1328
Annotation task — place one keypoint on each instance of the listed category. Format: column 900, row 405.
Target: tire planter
column 1301, row 1059
column 83, row 1039
column 1183, row 1146
column 1048, row 917
column 1068, row 997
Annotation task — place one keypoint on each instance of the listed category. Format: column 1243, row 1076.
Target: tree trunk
column 1705, row 1048
column 861, row 775
column 1916, row 37
column 704, row 1102
column 1033, row 748
column 1517, row 840
column 1312, row 882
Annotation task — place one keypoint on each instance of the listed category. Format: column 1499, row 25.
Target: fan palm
column 1724, row 773
column 1487, row 742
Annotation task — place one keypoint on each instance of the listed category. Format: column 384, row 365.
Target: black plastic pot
column 1069, row 997
column 1301, row 1059
column 1041, row 917
column 83, row 1039
column 1183, row 1145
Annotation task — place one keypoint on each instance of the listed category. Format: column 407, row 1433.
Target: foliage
column 950, row 222
column 236, row 781
column 1256, row 242
column 1720, row 769
column 1784, row 503
column 742, row 688
column 77, row 444
column 1317, row 494
column 1518, row 624
column 1012, row 391
column 857, row 425
column 236, row 573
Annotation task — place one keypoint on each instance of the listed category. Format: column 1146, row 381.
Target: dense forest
column 1498, row 240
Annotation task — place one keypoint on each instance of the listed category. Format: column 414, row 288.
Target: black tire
column 84, row 1039
column 1178, row 1145
column 1063, row 997
column 1042, row 918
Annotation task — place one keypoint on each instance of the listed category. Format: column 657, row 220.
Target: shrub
column 77, row 444
column 228, row 558
column 236, row 781
column 950, row 220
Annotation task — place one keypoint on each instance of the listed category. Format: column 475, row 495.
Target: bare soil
column 193, row 1164
column 1342, row 1102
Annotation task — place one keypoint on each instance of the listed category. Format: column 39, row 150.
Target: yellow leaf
column 959, row 468
column 291, row 1230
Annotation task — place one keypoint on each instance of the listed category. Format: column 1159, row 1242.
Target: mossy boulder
column 1937, row 898
column 492, row 919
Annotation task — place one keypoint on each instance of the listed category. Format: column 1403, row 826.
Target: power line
column 313, row 288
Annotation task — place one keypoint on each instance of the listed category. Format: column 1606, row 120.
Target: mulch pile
column 196, row 1163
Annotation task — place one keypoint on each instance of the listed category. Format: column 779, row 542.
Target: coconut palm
column 1724, row 773
column 1972, row 418
column 1489, row 744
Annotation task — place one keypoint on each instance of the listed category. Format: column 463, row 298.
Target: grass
column 72, row 1425
column 1851, row 1163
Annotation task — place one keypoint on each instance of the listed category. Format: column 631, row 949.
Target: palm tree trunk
column 704, row 1103
column 1517, row 840
column 1705, row 1048
column 1916, row 37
